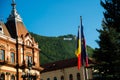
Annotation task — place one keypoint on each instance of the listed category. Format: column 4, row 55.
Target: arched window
column 78, row 76
column 12, row 77
column 12, row 55
column 55, row 78
column 70, row 77
column 48, row 78
column 2, row 77
column 62, row 77
column 2, row 54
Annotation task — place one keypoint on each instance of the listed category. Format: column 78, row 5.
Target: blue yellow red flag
column 78, row 48
column 81, row 48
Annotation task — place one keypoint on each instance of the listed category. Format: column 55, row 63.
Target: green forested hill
column 57, row 48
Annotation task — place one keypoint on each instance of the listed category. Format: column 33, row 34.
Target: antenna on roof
column 13, row 3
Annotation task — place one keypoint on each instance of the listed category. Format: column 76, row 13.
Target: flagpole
column 84, row 68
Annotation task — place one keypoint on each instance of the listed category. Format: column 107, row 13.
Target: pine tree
column 108, row 53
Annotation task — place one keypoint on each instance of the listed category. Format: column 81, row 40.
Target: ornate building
column 19, row 53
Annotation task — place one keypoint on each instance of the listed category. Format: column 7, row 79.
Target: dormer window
column 1, row 29
column 28, row 43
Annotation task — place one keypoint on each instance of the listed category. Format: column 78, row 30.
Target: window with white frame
column 28, row 58
column 2, row 54
column 12, row 55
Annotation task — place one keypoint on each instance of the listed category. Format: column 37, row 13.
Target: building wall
column 17, row 49
column 66, row 72
column 7, row 68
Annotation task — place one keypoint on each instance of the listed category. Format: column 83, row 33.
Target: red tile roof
column 5, row 30
column 61, row 64
column 21, row 29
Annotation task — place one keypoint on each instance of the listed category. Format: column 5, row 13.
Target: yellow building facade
column 19, row 53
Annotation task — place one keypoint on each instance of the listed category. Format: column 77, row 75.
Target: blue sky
column 58, row 17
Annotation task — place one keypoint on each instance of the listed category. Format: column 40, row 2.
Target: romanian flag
column 78, row 49
column 81, row 48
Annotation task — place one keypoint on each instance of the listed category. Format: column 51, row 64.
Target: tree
column 108, row 53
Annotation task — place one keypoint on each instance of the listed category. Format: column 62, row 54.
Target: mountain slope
column 57, row 48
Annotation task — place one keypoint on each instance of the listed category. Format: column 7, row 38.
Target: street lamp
column 28, row 74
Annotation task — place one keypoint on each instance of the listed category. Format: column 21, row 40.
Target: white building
column 65, row 70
